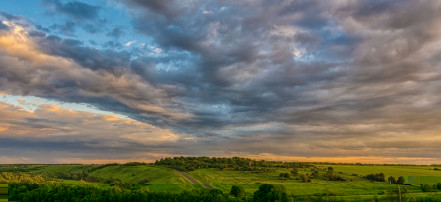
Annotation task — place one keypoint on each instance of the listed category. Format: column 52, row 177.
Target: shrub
column 401, row 180
column 144, row 181
column 376, row 177
column 237, row 191
column 284, row 176
column 270, row 193
column 305, row 178
column 391, row 180
column 427, row 188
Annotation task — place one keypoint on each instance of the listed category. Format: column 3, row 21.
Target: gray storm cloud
column 290, row 78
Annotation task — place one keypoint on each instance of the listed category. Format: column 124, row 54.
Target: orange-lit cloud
column 128, row 88
column 56, row 124
column 300, row 80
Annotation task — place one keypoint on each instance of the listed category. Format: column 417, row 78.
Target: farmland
column 350, row 185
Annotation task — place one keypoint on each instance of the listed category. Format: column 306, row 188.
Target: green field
column 133, row 174
column 355, row 185
column 3, row 192
column 59, row 168
column 159, row 178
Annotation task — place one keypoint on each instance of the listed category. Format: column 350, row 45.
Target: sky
column 293, row 80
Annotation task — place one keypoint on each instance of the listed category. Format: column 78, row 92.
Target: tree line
column 234, row 163
column 20, row 178
column 73, row 193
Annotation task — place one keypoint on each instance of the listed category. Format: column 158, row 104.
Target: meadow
column 165, row 178
column 3, row 192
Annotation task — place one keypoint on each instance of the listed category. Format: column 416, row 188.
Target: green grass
column 215, row 176
column 127, row 174
column 426, row 174
column 174, row 188
column 3, row 192
column 61, row 168
column 134, row 174
column 354, row 186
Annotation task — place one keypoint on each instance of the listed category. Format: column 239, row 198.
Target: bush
column 237, row 191
column 295, row 171
column 305, row 178
column 85, row 193
column 428, row 188
column 401, row 180
column 270, row 193
column 134, row 164
column 376, row 177
column 391, row 180
column 144, row 181
column 284, row 176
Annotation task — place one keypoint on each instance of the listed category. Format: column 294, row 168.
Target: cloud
column 38, row 73
column 3, row 26
column 67, row 28
column 51, row 128
column 115, row 33
column 128, row 44
column 76, row 9
column 294, row 78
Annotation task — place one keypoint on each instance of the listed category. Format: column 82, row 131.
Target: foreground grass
column 355, row 184
column 355, row 188
column 3, row 192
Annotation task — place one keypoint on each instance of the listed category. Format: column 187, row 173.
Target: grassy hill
column 354, row 185
column 225, row 173
column 135, row 174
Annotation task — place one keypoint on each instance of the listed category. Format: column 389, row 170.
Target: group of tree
column 234, row 163
column 237, row 191
column 305, row 178
column 379, row 177
column 62, row 192
column 431, row 188
column 284, row 176
column 20, row 178
column 20, row 167
column 331, row 176
column 270, row 192
column 295, row 171
column 392, row 180
column 83, row 175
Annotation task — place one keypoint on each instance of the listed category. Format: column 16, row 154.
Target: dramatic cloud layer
column 295, row 80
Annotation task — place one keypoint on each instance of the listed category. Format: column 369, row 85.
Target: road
column 193, row 180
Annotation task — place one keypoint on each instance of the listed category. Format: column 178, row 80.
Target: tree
column 401, row 180
column 284, row 176
column 438, row 186
column 305, row 178
column 391, row 180
column 295, row 171
column 237, row 191
column 315, row 173
column 270, row 193
column 376, row 177
column 427, row 188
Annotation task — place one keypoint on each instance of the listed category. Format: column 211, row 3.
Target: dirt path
column 193, row 180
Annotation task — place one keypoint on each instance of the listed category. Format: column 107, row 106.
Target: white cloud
column 128, row 44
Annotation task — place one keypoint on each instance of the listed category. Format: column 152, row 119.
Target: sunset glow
column 120, row 81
